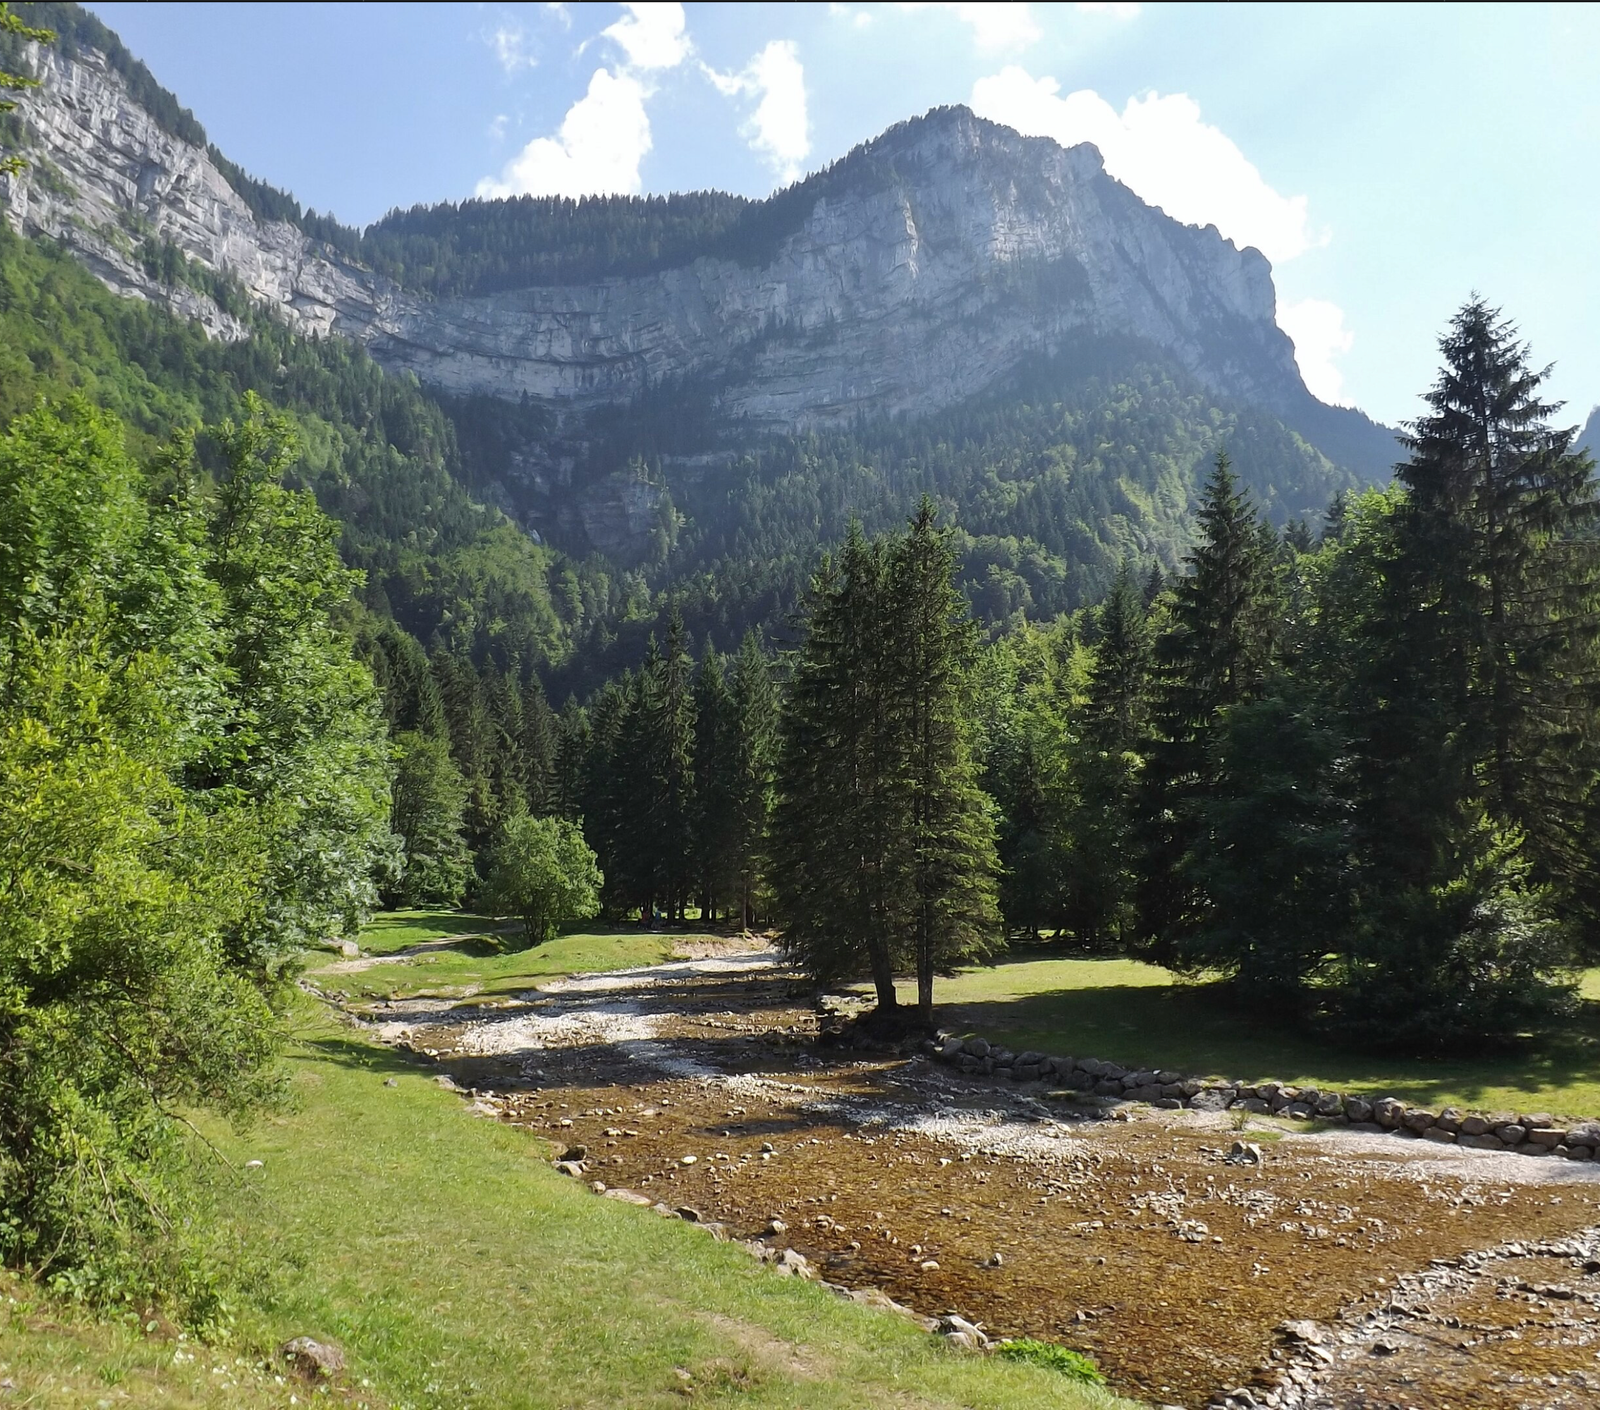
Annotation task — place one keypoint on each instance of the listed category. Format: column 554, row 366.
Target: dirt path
column 1414, row 1279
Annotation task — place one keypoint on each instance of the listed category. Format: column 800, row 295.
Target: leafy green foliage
column 1072, row 1364
column 543, row 872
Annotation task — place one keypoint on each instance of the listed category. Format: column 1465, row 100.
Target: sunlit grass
column 1143, row 1016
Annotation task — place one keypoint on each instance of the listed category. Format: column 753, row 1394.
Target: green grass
column 457, row 1270
column 398, row 930
column 1143, row 1016
column 487, row 965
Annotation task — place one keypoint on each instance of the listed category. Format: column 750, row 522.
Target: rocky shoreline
column 1525, row 1133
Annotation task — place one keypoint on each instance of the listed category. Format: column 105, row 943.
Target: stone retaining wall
column 1527, row 1133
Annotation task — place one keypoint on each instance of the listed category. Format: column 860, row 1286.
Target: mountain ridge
column 926, row 265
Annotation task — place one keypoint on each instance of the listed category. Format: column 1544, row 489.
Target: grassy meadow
column 457, row 1270
column 1144, row 1016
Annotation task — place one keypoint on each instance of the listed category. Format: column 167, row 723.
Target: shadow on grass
column 1195, row 1028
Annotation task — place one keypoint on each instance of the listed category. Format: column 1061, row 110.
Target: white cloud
column 1160, row 148
column 603, row 138
column 497, row 128
column 857, row 18
column 1317, row 329
column 779, row 128
column 510, row 46
column 1117, row 9
column 559, row 12
column 606, row 133
column 651, row 35
column 1000, row 24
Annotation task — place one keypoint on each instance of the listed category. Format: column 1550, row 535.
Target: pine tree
column 1104, row 765
column 837, row 880
column 755, row 714
column 1497, row 558
column 716, row 763
column 1214, row 652
column 539, row 744
column 430, row 798
column 949, row 823
column 669, row 724
column 573, row 741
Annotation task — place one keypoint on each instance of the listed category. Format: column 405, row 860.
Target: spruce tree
column 949, row 844
column 1105, row 758
column 755, row 742
column 1214, row 652
column 716, row 762
column 837, row 877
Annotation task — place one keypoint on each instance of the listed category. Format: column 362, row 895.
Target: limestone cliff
column 932, row 262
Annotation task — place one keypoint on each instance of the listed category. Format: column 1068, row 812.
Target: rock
column 1450, row 1119
column 1473, row 1125
column 445, row 1080
column 950, row 1049
column 570, row 1167
column 1256, row 1106
column 688, row 1214
column 1510, row 1133
column 1191, row 1087
column 1025, row 1072
column 1304, row 1331
column 1108, row 1087
column 776, row 1227
column 1389, row 1113
column 630, row 1197
column 794, row 1264
column 953, row 1325
column 1329, row 1104
column 1268, row 1091
column 1144, row 1094
column 1299, row 1111
column 929, row 1265
column 1546, row 1136
column 1243, row 1153
column 391, row 1082
column 1216, row 1100
column 1418, row 1120
column 1580, row 1152
column 1358, row 1108
column 1536, row 1118
column 1166, row 1078
column 255, row 1165
column 688, row 1160
column 1483, row 1142
column 575, row 1153
column 1438, row 1133
column 309, row 1357
column 978, row 1047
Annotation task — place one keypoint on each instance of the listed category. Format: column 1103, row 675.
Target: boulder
column 1449, row 1119
column 1482, row 1141
column 1547, row 1136
column 1267, row 1090
column 1580, row 1152
column 1255, row 1105
column 1108, row 1087
column 956, row 1330
column 570, row 1167
column 1511, row 1133
column 630, row 1197
column 1536, row 1118
column 1358, row 1108
column 1243, row 1153
column 1438, row 1133
column 950, row 1049
column 320, row 1359
column 1418, row 1120
column 1214, row 1100
column 1299, row 1111
column 1473, row 1125
column 1329, row 1104
column 1389, row 1113
column 1165, row 1078
column 1025, row 1072
column 1145, row 1094
column 978, row 1047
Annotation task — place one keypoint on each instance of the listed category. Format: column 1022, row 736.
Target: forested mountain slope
column 921, row 269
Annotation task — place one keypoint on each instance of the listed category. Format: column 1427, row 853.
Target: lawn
column 458, row 1270
column 492, row 960
column 1143, row 1016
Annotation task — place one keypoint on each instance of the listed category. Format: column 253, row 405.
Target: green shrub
column 1072, row 1364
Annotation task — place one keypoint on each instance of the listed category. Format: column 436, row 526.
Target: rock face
column 932, row 262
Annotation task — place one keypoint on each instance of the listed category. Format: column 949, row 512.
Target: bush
column 1072, row 1364
column 543, row 872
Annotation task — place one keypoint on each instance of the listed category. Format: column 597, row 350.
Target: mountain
column 592, row 409
column 1589, row 437
column 918, row 271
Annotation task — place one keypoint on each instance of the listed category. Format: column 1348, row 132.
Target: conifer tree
column 949, row 845
column 1104, row 766
column 668, row 735
column 837, row 874
column 716, row 762
column 573, row 740
column 755, row 740
column 1214, row 652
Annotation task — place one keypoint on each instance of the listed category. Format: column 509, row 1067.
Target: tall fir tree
column 716, row 764
column 949, row 846
column 1214, row 652
column 755, row 713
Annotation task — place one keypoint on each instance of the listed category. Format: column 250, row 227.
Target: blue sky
column 1388, row 159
